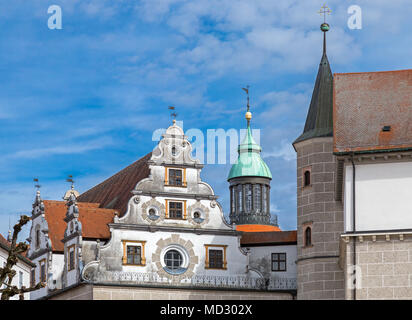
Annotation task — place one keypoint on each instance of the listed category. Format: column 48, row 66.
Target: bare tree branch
column 7, row 273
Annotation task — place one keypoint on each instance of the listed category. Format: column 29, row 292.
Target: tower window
column 264, row 198
column 239, row 198
column 306, row 178
column 248, row 200
column 257, row 197
column 308, row 236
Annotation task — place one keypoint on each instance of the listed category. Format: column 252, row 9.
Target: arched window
column 308, row 236
column 257, row 201
column 264, row 199
column 306, row 178
column 248, row 201
column 239, row 198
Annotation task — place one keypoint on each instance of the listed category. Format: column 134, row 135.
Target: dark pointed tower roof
column 319, row 121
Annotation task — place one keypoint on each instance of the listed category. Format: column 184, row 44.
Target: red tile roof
column 94, row 221
column 268, row 238
column 115, row 192
column 366, row 102
column 257, row 228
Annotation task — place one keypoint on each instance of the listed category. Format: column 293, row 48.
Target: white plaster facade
column 260, row 259
column 383, row 196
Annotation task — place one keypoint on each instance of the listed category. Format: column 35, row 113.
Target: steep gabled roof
column 373, row 111
column 94, row 221
column 319, row 121
column 115, row 192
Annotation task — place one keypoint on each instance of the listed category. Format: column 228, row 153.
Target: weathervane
column 248, row 115
column 37, row 185
column 70, row 179
column 247, row 92
column 324, row 10
column 173, row 114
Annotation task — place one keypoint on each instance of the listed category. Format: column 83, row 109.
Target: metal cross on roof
column 324, row 10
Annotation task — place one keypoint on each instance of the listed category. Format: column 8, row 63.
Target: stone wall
column 96, row 292
column 384, row 267
column 319, row 274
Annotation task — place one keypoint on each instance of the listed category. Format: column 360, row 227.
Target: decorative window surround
column 216, row 246
column 184, row 209
column 134, row 242
column 167, row 182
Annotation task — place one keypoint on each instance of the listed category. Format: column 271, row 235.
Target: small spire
column 9, row 237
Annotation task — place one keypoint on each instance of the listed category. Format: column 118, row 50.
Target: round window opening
column 153, row 214
column 197, row 217
column 173, row 260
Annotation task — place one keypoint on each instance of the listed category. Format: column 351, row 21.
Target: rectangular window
column 176, row 210
column 33, row 277
column 175, row 177
column 71, row 258
column 216, row 256
column 20, row 279
column 216, row 259
column 43, row 270
column 134, row 255
column 278, row 261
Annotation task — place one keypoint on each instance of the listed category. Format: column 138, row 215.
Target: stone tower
column 319, row 207
column 249, row 180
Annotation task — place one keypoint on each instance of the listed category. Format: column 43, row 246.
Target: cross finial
column 324, row 10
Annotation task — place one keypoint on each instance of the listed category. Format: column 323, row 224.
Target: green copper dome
column 249, row 162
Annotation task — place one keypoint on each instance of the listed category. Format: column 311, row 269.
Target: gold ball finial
column 248, row 116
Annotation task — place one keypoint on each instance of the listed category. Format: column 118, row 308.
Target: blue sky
column 86, row 99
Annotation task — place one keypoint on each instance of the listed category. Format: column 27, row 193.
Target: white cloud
column 73, row 148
